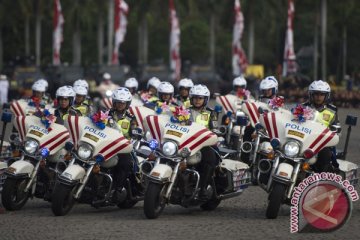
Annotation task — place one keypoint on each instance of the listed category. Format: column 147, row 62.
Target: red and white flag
column 120, row 24
column 239, row 61
column 175, row 60
column 58, row 32
column 289, row 64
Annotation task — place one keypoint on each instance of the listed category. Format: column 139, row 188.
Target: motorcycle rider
column 85, row 84
column 184, row 87
column 319, row 99
column 165, row 94
column 122, row 119
column 150, row 94
column 201, row 114
column 65, row 97
column 106, row 85
column 80, row 102
column 268, row 89
column 132, row 84
column 39, row 97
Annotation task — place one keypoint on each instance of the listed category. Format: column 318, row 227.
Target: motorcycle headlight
column 291, row 148
column 31, row 146
column 169, row 148
column 84, row 151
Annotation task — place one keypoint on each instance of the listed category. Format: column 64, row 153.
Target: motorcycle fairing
column 21, row 108
column 313, row 135
column 53, row 138
column 140, row 113
column 193, row 137
column 250, row 108
column 229, row 103
column 107, row 142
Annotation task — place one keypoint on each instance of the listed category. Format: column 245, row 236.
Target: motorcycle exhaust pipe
column 246, row 147
column 264, row 165
column 146, row 167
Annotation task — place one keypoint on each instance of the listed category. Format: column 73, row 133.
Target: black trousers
column 122, row 170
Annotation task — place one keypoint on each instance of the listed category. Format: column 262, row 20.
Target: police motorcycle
column 41, row 142
column 173, row 179
column 234, row 122
column 260, row 146
column 296, row 138
column 89, row 176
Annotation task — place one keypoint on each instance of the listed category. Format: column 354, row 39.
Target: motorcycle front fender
column 161, row 173
column 72, row 174
column 20, row 168
column 283, row 173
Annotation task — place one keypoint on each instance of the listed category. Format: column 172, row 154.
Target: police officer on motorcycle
column 184, row 87
column 268, row 89
column 165, row 94
column 319, row 99
column 80, row 102
column 201, row 114
column 39, row 96
column 65, row 97
column 132, row 84
column 123, row 120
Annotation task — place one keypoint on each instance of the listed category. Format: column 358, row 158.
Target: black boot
column 205, row 179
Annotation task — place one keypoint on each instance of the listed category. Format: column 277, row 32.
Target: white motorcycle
column 88, row 178
column 296, row 145
column 174, row 178
column 42, row 158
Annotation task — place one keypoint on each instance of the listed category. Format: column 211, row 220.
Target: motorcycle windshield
column 22, row 108
column 107, row 142
column 193, row 137
column 141, row 113
column 311, row 134
column 52, row 138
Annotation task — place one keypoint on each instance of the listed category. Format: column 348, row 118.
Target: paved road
column 238, row 218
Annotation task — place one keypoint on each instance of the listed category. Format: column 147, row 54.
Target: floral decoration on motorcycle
column 100, row 119
column 47, row 118
column 180, row 115
column 302, row 113
column 243, row 93
column 276, row 102
column 162, row 107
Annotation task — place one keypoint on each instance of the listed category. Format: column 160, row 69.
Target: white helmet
column 39, row 86
column 269, row 82
column 240, row 82
column 66, row 92
column 200, row 90
column 82, row 83
column 122, row 94
column 80, row 90
column 106, row 76
column 320, row 86
column 165, row 88
column 154, row 81
column 43, row 81
column 185, row 83
column 131, row 83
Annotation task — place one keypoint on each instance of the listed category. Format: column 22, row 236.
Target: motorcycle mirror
column 351, row 120
column 6, row 116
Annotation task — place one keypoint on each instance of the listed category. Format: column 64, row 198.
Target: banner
column 289, row 63
column 120, row 23
column 175, row 60
column 58, row 32
column 239, row 60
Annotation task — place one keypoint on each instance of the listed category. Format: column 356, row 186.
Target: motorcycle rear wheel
column 13, row 196
column 275, row 200
column 62, row 199
column 153, row 202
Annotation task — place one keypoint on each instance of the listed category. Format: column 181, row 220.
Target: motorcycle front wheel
column 275, row 200
column 153, row 201
column 13, row 196
column 62, row 199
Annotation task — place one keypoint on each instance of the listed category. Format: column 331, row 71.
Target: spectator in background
column 4, row 89
column 107, row 86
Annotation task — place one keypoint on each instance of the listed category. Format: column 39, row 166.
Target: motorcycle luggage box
column 240, row 173
column 349, row 171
